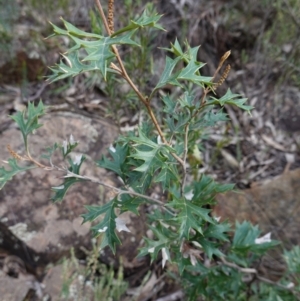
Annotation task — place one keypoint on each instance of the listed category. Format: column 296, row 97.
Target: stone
column 273, row 204
column 25, row 204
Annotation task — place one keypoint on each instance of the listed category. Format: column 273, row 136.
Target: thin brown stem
column 117, row 190
column 255, row 272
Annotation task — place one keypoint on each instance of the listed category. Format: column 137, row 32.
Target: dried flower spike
column 223, row 76
column 224, row 58
column 110, row 18
column 14, row 154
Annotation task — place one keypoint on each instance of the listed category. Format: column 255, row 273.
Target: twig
column 255, row 272
column 118, row 190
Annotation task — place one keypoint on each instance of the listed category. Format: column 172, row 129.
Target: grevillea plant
column 214, row 261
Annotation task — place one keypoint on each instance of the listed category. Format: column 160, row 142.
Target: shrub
column 214, row 261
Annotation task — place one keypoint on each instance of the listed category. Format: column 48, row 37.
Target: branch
column 255, row 272
column 117, row 190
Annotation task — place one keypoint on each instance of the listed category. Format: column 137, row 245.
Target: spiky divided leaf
column 145, row 20
column 28, row 120
column 76, row 66
column 244, row 240
column 190, row 73
column 167, row 175
column 292, row 259
column 50, row 151
column 190, row 216
column 206, row 189
column 117, row 165
column 210, row 247
column 217, row 231
column 164, row 238
column 169, row 104
column 108, row 224
column 167, row 77
column 7, row 175
column 97, row 49
column 231, row 99
column 72, row 30
column 94, row 212
column 153, row 156
column 175, row 48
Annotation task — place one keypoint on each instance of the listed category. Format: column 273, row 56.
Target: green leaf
column 144, row 21
column 245, row 240
column 94, row 212
column 292, row 259
column 7, row 175
column 61, row 190
column 124, row 39
column 188, row 73
column 217, row 231
column 205, row 190
column 154, row 246
column 231, row 99
column 73, row 30
column 190, row 216
column 97, row 47
column 169, row 104
column 130, row 203
column 50, row 151
column 108, row 224
column 75, row 66
column 177, row 122
column 119, row 155
column 150, row 158
column 167, row 175
column 175, row 48
column 245, row 235
column 210, row 247
column 28, row 119
column 167, row 76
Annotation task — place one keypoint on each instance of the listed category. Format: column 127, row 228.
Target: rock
column 20, row 289
column 273, row 204
column 25, row 204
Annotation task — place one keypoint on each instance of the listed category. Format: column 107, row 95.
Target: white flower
column 102, row 230
column 290, row 285
column 263, row 239
column 112, row 149
column 72, row 141
column 151, row 250
column 59, row 187
column 165, row 256
column 217, row 218
column 121, row 225
column 189, row 195
column 77, row 159
column 193, row 259
column 159, row 141
column 65, row 146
